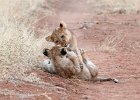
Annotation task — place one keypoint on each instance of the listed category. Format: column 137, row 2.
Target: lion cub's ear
column 46, row 52
column 63, row 24
column 48, row 38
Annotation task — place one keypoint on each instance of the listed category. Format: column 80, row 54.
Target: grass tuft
column 19, row 48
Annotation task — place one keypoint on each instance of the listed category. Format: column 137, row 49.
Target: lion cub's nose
column 63, row 52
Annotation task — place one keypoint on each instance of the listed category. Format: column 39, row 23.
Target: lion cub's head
column 55, row 51
column 61, row 35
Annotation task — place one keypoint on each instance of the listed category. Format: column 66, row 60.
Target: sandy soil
column 111, row 41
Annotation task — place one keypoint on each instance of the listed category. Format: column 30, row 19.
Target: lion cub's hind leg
column 91, row 66
column 94, row 70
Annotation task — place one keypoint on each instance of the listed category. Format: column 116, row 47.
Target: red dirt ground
column 122, row 63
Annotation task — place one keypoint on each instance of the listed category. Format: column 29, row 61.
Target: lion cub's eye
column 62, row 36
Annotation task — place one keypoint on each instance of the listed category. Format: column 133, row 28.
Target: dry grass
column 19, row 49
column 126, row 6
column 111, row 42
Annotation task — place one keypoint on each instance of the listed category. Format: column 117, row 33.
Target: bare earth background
column 108, row 30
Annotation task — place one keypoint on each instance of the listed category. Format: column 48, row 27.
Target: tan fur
column 64, row 37
column 68, row 65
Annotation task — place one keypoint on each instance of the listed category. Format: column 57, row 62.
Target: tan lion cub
column 64, row 37
column 66, row 64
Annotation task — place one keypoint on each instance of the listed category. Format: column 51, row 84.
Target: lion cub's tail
column 106, row 79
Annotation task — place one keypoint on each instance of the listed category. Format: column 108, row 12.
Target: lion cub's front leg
column 73, row 57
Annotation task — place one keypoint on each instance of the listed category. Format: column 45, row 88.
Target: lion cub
column 64, row 37
column 66, row 64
